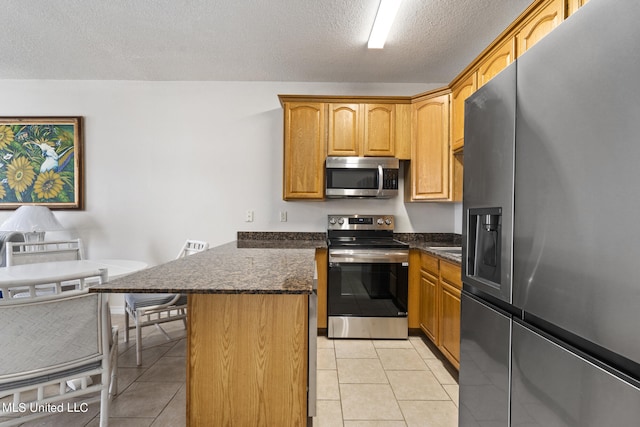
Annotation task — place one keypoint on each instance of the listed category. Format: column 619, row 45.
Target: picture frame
column 41, row 162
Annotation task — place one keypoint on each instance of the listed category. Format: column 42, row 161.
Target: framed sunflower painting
column 41, row 162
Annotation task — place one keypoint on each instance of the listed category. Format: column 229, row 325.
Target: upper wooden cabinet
column 341, row 126
column 345, row 130
column 403, row 131
column 457, row 176
column 304, row 150
column 428, row 177
column 574, row 5
column 379, row 130
column 497, row 60
column 459, row 94
column 492, row 63
column 361, row 130
column 540, row 22
column 427, row 129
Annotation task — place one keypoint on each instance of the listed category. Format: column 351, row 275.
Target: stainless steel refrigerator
column 551, row 231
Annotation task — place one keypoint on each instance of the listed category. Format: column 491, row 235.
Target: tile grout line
column 335, row 356
column 404, row 418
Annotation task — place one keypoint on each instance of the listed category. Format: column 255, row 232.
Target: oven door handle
column 350, row 256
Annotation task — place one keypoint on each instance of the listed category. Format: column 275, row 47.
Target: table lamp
column 33, row 222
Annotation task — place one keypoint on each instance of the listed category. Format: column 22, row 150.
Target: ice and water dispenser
column 484, row 245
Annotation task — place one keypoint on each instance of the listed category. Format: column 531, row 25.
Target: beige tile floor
column 367, row 383
column 361, row 383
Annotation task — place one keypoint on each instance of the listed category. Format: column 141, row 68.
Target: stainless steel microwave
column 375, row 177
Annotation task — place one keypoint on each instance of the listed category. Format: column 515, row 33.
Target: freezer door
column 554, row 387
column 487, row 223
column 484, row 365
column 577, row 156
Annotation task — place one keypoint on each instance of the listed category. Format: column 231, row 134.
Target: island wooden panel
column 247, row 360
column 322, row 263
column 414, row 290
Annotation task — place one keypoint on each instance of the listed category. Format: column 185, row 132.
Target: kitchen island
column 247, row 330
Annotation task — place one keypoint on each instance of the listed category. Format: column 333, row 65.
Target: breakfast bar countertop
column 242, row 267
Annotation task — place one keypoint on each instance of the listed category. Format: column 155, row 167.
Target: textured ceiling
column 263, row 40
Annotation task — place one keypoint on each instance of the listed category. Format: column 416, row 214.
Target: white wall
column 166, row 161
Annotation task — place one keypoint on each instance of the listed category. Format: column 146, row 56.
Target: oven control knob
column 387, row 221
column 332, row 221
column 380, row 221
column 341, row 221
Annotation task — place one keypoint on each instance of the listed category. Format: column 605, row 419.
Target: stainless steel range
column 368, row 278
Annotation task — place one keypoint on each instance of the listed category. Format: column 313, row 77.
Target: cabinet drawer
column 451, row 273
column 429, row 263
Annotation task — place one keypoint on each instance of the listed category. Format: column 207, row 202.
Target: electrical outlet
column 283, row 216
column 249, row 216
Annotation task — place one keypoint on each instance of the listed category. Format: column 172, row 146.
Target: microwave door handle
column 380, row 179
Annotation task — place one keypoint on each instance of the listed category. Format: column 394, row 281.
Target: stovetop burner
column 362, row 231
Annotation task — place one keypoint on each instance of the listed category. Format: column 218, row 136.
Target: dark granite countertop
column 433, row 249
column 258, row 262
column 246, row 267
column 427, row 242
column 281, row 240
column 430, row 242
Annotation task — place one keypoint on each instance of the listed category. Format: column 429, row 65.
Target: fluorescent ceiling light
column 381, row 26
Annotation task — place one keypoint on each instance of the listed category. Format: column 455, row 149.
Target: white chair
column 155, row 309
column 32, row 289
column 8, row 236
column 19, row 253
column 56, row 348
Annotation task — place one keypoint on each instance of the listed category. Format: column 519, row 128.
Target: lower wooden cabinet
column 429, row 302
column 450, row 291
column 439, row 310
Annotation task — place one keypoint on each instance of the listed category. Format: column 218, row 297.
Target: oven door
column 367, row 293
column 342, row 182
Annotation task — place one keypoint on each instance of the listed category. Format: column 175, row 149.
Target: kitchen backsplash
column 444, row 238
column 277, row 235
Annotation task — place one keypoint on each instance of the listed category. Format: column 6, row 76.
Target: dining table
column 16, row 274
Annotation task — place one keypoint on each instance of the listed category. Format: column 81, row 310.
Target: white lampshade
column 33, row 221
